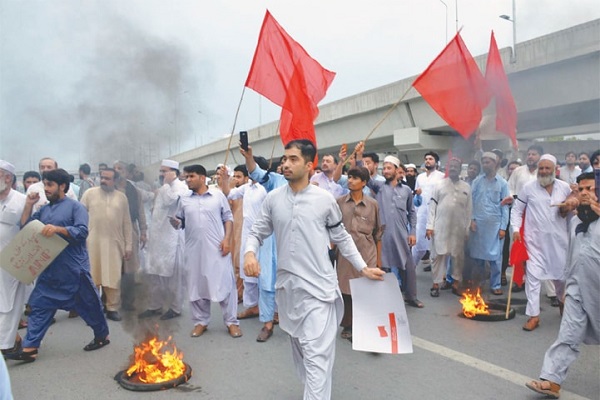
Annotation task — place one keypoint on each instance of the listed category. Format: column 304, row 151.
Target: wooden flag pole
column 378, row 124
column 237, row 112
column 510, row 285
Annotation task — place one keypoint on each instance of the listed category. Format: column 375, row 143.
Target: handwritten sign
column 379, row 321
column 29, row 253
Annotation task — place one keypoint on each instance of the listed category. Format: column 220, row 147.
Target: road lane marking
column 484, row 366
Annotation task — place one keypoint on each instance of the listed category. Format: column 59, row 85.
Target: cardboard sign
column 379, row 321
column 29, row 253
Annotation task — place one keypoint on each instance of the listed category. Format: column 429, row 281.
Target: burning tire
column 134, row 384
column 497, row 313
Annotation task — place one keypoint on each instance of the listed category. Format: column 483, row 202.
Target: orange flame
column 473, row 304
column 152, row 363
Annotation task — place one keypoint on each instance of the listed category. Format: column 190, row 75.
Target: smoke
column 128, row 102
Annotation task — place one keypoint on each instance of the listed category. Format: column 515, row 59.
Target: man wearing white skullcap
column 165, row 247
column 546, row 234
column 12, row 292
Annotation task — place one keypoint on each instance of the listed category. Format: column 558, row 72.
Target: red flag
column 518, row 256
column 506, row 110
column 455, row 88
column 283, row 72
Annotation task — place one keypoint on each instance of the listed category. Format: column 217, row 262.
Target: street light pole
column 513, row 57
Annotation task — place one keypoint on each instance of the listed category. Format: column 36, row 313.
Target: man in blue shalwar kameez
column 66, row 284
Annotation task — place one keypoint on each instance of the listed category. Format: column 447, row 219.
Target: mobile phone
column 244, row 140
column 597, row 176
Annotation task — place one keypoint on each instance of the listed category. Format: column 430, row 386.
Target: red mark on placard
column 382, row 331
column 394, row 333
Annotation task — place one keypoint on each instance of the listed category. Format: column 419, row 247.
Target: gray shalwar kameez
column 308, row 297
column 581, row 317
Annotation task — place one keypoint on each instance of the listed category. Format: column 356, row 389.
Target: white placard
column 379, row 321
column 29, row 253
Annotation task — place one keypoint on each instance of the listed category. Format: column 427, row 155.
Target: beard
column 586, row 214
column 3, row 185
column 161, row 180
column 546, row 181
column 429, row 167
column 410, row 181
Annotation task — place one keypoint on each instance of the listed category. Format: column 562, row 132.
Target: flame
column 152, row 363
column 473, row 304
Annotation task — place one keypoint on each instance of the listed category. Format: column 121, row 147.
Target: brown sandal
column 548, row 388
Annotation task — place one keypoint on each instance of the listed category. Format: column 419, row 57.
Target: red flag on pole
column 283, row 72
column 455, row 88
column 506, row 110
column 518, row 256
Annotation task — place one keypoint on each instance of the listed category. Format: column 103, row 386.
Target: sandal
column 446, row 286
column 434, row 292
column 22, row 355
column 346, row 333
column 548, row 388
column 414, row 303
column 96, row 344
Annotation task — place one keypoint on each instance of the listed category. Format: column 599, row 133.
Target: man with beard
column 581, row 319
column 448, row 226
column 46, row 164
column 86, row 181
column 325, row 179
column 424, row 187
column 139, row 229
column 473, row 171
column 489, row 221
column 12, row 291
column 525, row 173
column 206, row 218
column 308, row 296
column 109, row 242
column 164, row 265
column 66, row 283
column 546, row 235
column 29, row 178
column 398, row 222
column 411, row 175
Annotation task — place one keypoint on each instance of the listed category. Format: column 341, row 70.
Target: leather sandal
column 548, row 388
column 199, row 330
column 22, row 355
column 434, row 292
column 234, row 331
column 251, row 312
column 97, row 344
column 264, row 334
column 531, row 324
column 415, row 303
column 346, row 333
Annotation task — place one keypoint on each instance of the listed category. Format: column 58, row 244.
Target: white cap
column 8, row 167
column 393, row 160
column 413, row 166
column 170, row 164
column 490, row 155
column 548, row 157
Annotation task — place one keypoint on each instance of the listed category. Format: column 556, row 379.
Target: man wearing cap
column 488, row 221
column 448, row 225
column 12, row 291
column 411, row 175
column 424, row 187
column 109, row 242
column 546, row 234
column 165, row 247
column 398, row 221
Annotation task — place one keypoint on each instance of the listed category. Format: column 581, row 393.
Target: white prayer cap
column 170, row 164
column 393, row 160
column 548, row 157
column 413, row 166
column 490, row 155
column 8, row 167
column 219, row 166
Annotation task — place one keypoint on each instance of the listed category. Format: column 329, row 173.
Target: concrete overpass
column 555, row 82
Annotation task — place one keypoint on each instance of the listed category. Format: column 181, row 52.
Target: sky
column 139, row 80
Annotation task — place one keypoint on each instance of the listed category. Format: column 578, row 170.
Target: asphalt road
column 454, row 358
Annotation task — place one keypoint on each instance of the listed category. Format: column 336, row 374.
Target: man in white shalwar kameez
column 206, row 218
column 448, row 225
column 165, row 247
column 12, row 291
column 546, row 234
column 305, row 219
column 424, row 187
column 581, row 317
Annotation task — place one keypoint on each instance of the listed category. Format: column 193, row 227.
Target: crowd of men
column 286, row 241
